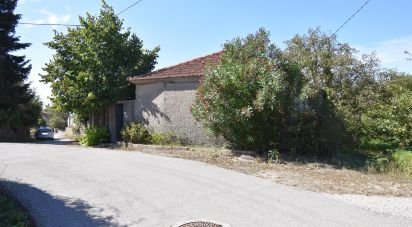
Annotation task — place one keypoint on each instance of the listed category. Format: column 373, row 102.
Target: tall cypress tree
column 16, row 98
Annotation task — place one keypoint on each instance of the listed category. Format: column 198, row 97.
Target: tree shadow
column 147, row 106
column 57, row 142
column 49, row 210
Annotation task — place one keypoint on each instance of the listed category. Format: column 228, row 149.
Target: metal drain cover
column 200, row 223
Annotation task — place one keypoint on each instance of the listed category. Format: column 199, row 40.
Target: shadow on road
column 48, row 210
column 59, row 139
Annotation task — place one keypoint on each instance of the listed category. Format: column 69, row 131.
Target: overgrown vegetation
column 248, row 98
column 389, row 158
column 11, row 214
column 94, row 136
column 137, row 133
column 169, row 138
column 315, row 98
column 56, row 118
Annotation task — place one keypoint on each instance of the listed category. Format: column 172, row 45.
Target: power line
column 350, row 18
column 44, row 24
column 49, row 24
column 69, row 25
column 129, row 7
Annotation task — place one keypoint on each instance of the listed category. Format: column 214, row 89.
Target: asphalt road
column 65, row 185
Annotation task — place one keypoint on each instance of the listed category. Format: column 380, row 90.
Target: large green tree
column 56, row 118
column 388, row 118
column 19, row 108
column 91, row 63
column 333, row 69
column 248, row 98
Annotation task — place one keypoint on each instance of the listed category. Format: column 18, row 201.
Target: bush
column 402, row 162
column 248, row 98
column 136, row 133
column 390, row 118
column 169, row 138
column 95, row 135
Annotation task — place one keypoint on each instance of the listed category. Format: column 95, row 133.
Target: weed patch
column 11, row 214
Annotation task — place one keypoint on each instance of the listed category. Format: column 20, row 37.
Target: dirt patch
column 316, row 177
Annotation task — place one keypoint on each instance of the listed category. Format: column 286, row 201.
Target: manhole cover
column 200, row 223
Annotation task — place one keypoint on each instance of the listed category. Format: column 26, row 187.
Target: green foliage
column 389, row 118
column 56, row 117
column 92, row 62
column 397, row 162
column 95, row 135
column 41, row 122
column 136, row 133
column 317, row 129
column 19, row 107
column 11, row 214
column 402, row 160
column 169, row 138
column 249, row 96
column 273, row 156
column 347, row 84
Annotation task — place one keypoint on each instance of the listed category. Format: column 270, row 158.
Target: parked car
column 44, row 133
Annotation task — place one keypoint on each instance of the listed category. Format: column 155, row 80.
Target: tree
column 89, row 69
column 56, row 118
column 333, row 70
column 248, row 98
column 389, row 117
column 19, row 108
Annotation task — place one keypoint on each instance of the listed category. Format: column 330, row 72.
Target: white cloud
column 391, row 52
column 51, row 18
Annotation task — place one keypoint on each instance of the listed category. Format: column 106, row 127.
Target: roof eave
column 148, row 80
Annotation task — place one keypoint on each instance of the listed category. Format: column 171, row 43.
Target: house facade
column 164, row 98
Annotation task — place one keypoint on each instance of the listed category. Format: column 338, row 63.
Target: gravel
column 394, row 206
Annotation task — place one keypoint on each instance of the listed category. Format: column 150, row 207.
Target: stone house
column 163, row 101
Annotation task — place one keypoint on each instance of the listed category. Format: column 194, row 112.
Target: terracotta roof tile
column 191, row 68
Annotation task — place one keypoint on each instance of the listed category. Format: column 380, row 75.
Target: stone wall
column 165, row 106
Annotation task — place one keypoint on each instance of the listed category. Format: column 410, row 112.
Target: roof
column 191, row 68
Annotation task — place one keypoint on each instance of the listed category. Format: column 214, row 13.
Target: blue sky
column 186, row 29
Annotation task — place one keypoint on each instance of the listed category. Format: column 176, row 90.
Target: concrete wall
column 165, row 106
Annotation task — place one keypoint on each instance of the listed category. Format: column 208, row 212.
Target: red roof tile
column 194, row 67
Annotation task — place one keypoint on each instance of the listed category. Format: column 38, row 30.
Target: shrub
column 390, row 118
column 169, row 138
column 95, row 135
column 249, row 96
column 402, row 162
column 136, row 133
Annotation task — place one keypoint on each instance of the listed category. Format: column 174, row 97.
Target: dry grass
column 313, row 176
